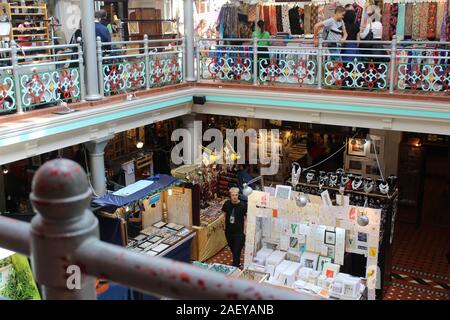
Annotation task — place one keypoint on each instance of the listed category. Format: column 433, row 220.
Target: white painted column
column 2, row 193
column 192, row 153
column 97, row 175
column 188, row 8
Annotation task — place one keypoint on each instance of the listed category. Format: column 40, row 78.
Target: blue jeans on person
column 349, row 51
column 334, row 48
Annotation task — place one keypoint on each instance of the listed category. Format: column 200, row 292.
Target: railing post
column 392, row 64
column 16, row 70
column 320, row 62
column 101, row 79
column 147, row 62
column 198, row 57
column 82, row 71
column 62, row 224
column 255, row 62
column 188, row 7
column 183, row 57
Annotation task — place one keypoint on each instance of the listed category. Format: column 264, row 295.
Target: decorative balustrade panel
column 425, row 77
column 232, row 64
column 165, row 69
column 40, row 88
column 288, row 69
column 356, row 75
column 124, row 76
column 7, row 94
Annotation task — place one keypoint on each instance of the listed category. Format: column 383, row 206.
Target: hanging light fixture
column 247, row 190
column 5, row 170
column 302, row 200
column 139, row 144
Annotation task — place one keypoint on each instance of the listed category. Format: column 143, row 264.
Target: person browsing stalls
column 235, row 213
column 335, row 31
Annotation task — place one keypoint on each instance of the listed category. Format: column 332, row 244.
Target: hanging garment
column 439, row 17
column 386, row 21
column 446, row 32
column 393, row 20
column 416, row 22
column 267, row 18
column 307, row 20
column 285, row 18
column 273, row 20
column 279, row 19
column 401, row 21
column 314, row 16
column 409, row 19
column 320, row 13
column 294, row 20
column 359, row 11
column 252, row 13
column 424, row 20
column 432, row 15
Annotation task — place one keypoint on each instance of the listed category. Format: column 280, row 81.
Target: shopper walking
column 235, row 212
column 263, row 56
column 352, row 28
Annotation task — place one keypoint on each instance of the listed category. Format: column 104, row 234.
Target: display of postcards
column 151, row 253
column 171, row 225
column 137, row 249
column 178, row 227
column 330, row 252
column 183, row 232
column 144, row 245
column 159, row 224
column 131, row 243
column 150, row 231
column 293, row 243
column 172, row 240
column 155, row 239
column 160, row 248
column 330, row 237
column 165, row 233
column 362, row 237
column 201, row 265
column 140, row 237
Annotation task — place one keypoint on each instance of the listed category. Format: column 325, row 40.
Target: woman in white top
column 372, row 30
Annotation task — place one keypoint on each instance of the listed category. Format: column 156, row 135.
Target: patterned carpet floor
column 420, row 268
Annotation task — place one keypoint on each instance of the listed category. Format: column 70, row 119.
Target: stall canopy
column 135, row 192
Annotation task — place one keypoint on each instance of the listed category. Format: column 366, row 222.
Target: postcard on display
column 339, row 200
column 326, row 199
column 340, row 246
column 283, row 192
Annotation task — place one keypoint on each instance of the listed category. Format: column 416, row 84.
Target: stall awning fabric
column 110, row 202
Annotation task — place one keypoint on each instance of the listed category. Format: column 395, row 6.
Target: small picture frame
column 376, row 144
column 362, row 237
column 330, row 251
column 330, row 237
column 357, row 147
column 283, row 192
column 354, row 164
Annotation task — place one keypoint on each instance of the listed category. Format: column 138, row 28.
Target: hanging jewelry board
column 287, row 219
column 179, row 206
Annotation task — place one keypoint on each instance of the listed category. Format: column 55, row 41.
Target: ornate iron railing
column 359, row 65
column 132, row 65
column 7, row 83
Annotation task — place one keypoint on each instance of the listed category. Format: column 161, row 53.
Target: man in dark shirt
column 235, row 213
column 102, row 31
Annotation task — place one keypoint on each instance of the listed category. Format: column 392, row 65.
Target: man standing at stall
column 235, row 213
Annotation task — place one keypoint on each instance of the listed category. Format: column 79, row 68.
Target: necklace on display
column 356, row 184
column 309, row 177
column 384, row 188
column 296, row 174
column 322, row 182
column 368, row 186
column 333, row 180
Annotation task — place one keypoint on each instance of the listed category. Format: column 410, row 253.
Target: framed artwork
column 377, row 144
column 330, row 237
column 133, row 27
column 354, row 164
column 322, row 262
column 309, row 260
column 283, row 192
column 330, row 251
column 357, row 147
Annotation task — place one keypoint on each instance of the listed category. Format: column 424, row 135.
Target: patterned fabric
column 393, row 20
column 267, row 17
column 320, row 13
column 273, row 20
column 314, row 16
column 445, row 32
column 359, row 11
column 252, row 13
column 279, row 19
column 416, row 22
column 386, row 21
column 308, row 29
column 423, row 20
column 432, row 16
column 439, row 17
column 285, row 18
column 401, row 21
column 409, row 19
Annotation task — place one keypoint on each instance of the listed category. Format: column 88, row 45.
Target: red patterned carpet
column 420, row 267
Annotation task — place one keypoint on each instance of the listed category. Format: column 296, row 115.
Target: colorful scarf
column 424, row 20
column 314, row 16
column 279, row 19
column 267, row 21
column 432, row 16
column 285, row 18
column 307, row 20
column 273, row 20
column 409, row 19
column 393, row 20
column 252, row 13
column 359, row 11
column 439, row 17
column 386, row 21
column 416, row 22
column 401, row 21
